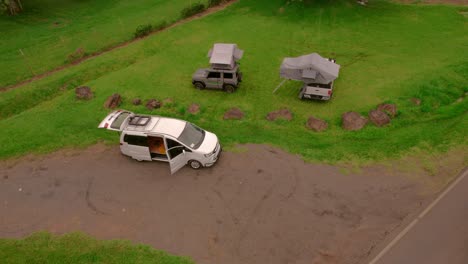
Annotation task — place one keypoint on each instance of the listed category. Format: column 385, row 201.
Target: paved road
column 439, row 236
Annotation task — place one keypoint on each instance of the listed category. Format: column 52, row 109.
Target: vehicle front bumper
column 215, row 159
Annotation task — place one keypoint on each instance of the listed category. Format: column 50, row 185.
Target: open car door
column 176, row 154
column 115, row 120
column 177, row 158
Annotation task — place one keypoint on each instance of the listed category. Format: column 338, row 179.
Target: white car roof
column 155, row 125
column 169, row 126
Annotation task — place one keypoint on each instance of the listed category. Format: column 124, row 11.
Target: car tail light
column 106, row 125
column 329, row 92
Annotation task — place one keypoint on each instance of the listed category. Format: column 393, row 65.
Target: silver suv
column 226, row 79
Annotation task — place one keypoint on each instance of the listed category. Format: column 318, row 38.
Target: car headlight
column 208, row 155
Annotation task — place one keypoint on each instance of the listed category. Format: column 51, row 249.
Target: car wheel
column 195, row 164
column 229, row 88
column 199, row 85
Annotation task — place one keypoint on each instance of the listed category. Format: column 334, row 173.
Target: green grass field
column 48, row 31
column 388, row 53
column 78, row 248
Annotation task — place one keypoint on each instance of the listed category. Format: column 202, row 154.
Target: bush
column 192, row 10
column 212, row 3
column 161, row 25
column 143, row 30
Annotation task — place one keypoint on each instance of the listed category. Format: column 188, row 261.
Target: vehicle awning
column 309, row 68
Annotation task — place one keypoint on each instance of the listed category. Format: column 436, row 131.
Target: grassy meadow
column 388, row 53
column 79, row 248
column 48, row 31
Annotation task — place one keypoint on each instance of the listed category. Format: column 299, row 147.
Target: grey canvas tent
column 224, row 56
column 311, row 68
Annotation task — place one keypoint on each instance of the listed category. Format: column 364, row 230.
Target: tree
column 12, row 7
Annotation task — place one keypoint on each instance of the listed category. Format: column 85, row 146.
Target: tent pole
column 281, row 84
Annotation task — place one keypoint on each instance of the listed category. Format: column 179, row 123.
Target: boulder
column 234, row 113
column 353, row 121
column 316, row 124
column 416, row 101
column 113, row 101
column 379, row 118
column 152, row 104
column 280, row 114
column 83, row 93
column 390, row 109
column 136, row 101
column 194, row 109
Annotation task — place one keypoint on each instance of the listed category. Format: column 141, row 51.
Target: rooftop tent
column 224, row 55
column 309, row 68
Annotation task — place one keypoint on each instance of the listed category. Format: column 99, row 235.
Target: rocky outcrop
column 390, row 109
column 379, row 118
column 233, row 113
column 83, row 93
column 316, row 124
column 153, row 104
column 113, row 101
column 283, row 113
column 353, row 121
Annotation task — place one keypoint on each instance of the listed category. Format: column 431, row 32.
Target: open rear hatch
column 115, row 120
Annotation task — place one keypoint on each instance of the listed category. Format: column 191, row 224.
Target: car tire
column 199, row 85
column 195, row 164
column 229, row 88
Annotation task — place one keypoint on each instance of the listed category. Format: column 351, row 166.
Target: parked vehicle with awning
column 317, row 73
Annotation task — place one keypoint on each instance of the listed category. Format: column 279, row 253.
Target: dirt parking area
column 259, row 206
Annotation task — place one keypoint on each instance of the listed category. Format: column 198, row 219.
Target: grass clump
column 191, row 10
column 146, row 29
column 212, row 3
column 143, row 30
column 78, row 248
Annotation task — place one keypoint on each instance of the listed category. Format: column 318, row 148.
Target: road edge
column 420, row 216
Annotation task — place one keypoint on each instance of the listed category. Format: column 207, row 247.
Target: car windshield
column 192, row 136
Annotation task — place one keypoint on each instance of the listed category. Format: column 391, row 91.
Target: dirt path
column 260, row 206
column 118, row 46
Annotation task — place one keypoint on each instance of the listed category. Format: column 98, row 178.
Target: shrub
column 143, row 30
column 212, row 3
column 192, row 10
column 161, row 25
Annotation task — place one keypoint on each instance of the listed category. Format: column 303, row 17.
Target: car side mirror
column 183, row 151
